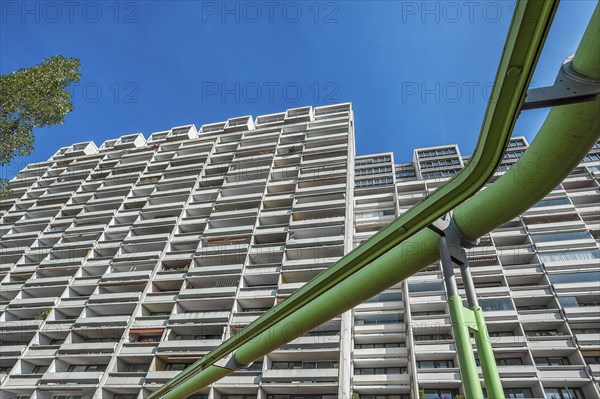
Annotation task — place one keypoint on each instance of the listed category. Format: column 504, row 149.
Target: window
column 436, row 153
column 435, row 364
column 516, row 143
column 496, row 304
column 404, row 172
column 305, row 365
column 380, row 371
column 575, row 277
column 518, row 393
column 426, row 286
column 591, row 158
column 552, row 361
column 564, row 393
column 386, row 318
column 592, row 359
column 439, row 174
column 386, row 296
column 137, row 368
column 253, row 396
column 374, row 182
column 439, row 163
column 514, row 154
column 505, row 361
column 440, row 393
column 561, row 236
column 373, row 214
column 374, row 171
column 553, row 202
column 86, row 367
column 369, row 161
column 433, row 337
column 566, row 256
column 40, row 369
column 510, row 361
column 175, row 366
column 573, row 302
column 377, row 346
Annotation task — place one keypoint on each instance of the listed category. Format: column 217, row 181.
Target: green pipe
column 585, row 61
column 528, row 30
column 464, row 349
column 493, row 385
column 550, row 153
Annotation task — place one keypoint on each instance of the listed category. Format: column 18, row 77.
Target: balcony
column 390, row 379
column 87, row 347
column 563, row 374
column 116, row 297
column 207, row 292
column 316, row 375
column 199, row 317
column 380, row 353
column 200, row 345
column 101, row 321
column 69, row 378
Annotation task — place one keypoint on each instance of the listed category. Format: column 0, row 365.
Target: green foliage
column 292, row 149
column 43, row 315
column 148, row 180
column 4, row 189
column 421, row 393
column 355, row 395
column 32, row 98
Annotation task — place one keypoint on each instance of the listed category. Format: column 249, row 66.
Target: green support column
column 493, row 384
column 461, row 317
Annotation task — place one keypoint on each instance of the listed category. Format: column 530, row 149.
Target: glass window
column 386, row 296
column 568, row 301
column 592, row 359
column 385, row 318
column 561, row 236
column 175, row 366
column 496, row 304
column 552, row 361
column 440, row 393
column 137, row 367
column 564, row 393
column 575, row 277
column 39, row 369
column 435, row 364
column 426, row 286
column 591, row 158
column 509, row 361
column 518, row 393
column 553, row 202
column 565, row 256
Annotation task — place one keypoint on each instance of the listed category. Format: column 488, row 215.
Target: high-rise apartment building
column 122, row 264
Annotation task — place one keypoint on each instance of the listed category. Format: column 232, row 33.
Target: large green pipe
column 549, row 159
column 528, row 30
column 386, row 271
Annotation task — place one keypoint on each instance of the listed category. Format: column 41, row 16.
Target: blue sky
column 417, row 73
